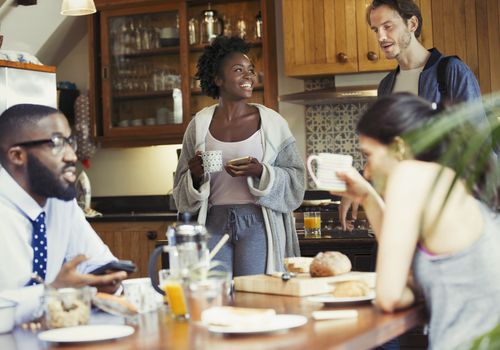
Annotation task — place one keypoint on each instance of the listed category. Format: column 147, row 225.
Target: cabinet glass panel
column 231, row 18
column 144, row 80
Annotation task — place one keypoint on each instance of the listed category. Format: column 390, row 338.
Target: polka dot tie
column 39, row 244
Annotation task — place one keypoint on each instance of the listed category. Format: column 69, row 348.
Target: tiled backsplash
column 331, row 127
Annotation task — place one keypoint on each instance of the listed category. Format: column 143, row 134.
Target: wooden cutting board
column 301, row 285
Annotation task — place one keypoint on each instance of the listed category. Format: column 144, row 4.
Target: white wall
column 75, row 67
column 133, row 171
column 26, row 28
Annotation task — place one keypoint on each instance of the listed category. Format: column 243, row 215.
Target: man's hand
column 345, row 204
column 70, row 277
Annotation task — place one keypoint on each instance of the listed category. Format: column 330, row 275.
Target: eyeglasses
column 58, row 143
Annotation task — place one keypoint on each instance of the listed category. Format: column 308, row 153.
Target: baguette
column 114, row 305
column 298, row 264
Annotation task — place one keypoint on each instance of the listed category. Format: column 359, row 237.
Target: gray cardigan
column 279, row 191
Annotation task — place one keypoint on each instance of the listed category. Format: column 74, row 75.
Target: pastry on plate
column 241, row 316
column 351, row 289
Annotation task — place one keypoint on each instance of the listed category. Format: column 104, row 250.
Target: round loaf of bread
column 329, row 264
column 351, row 289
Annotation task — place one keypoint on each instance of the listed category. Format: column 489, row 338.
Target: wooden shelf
column 152, row 52
column 141, row 94
column 27, row 66
column 201, row 47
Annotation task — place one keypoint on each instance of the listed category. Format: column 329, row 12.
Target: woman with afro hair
column 252, row 202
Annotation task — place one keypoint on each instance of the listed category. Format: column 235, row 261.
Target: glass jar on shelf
column 210, row 26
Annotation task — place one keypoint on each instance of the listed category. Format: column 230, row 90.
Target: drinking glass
column 174, row 288
column 312, row 224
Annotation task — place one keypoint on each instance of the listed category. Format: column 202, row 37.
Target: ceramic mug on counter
column 328, row 164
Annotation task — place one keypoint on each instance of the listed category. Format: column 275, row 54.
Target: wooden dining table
column 157, row 330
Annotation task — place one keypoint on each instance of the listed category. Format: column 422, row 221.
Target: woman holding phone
column 253, row 198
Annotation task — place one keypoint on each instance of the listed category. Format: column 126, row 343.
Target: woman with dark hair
column 451, row 246
column 253, row 201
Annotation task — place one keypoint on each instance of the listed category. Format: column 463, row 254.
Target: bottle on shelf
column 258, row 26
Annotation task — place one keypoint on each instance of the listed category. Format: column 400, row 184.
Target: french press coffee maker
column 187, row 251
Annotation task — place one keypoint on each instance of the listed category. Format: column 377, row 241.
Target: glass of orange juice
column 175, row 296
column 312, row 224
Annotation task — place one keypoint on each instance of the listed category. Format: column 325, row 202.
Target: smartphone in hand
column 239, row 161
column 120, row 265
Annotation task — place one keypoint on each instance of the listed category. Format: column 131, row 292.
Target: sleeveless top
column 462, row 290
column 225, row 189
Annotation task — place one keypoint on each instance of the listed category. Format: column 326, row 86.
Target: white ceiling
column 40, row 30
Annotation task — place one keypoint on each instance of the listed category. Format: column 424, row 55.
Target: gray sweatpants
column 245, row 252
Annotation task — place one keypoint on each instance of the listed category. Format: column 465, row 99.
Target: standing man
column 398, row 24
column 42, row 229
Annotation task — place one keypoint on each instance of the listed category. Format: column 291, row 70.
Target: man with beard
column 44, row 233
column 398, row 24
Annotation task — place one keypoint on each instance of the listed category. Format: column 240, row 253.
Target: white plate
column 330, row 299
column 316, row 202
column 277, row 323
column 86, row 333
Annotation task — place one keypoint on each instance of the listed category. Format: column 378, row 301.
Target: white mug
column 327, row 164
column 212, row 161
column 140, row 293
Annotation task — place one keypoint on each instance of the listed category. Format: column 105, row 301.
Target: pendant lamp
column 77, row 7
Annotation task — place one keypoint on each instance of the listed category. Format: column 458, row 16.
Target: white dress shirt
column 68, row 234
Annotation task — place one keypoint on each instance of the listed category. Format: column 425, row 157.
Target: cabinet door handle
column 372, row 56
column 342, row 57
column 105, row 72
column 151, row 235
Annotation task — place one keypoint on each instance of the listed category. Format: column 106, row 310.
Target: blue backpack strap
column 441, row 76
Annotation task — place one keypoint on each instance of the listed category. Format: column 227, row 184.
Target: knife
column 285, row 276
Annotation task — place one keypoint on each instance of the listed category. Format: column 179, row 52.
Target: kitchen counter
column 132, row 216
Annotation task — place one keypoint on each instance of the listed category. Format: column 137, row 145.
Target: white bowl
column 136, row 122
column 7, row 313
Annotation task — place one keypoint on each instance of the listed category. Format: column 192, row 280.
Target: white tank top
column 225, row 189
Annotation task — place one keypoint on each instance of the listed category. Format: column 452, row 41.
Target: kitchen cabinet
column 143, row 57
column 470, row 29
column 132, row 240
column 326, row 37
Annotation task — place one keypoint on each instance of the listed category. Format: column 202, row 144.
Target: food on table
column 329, row 264
column 351, row 289
column 298, row 264
column 61, row 314
column 114, row 304
column 230, row 316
